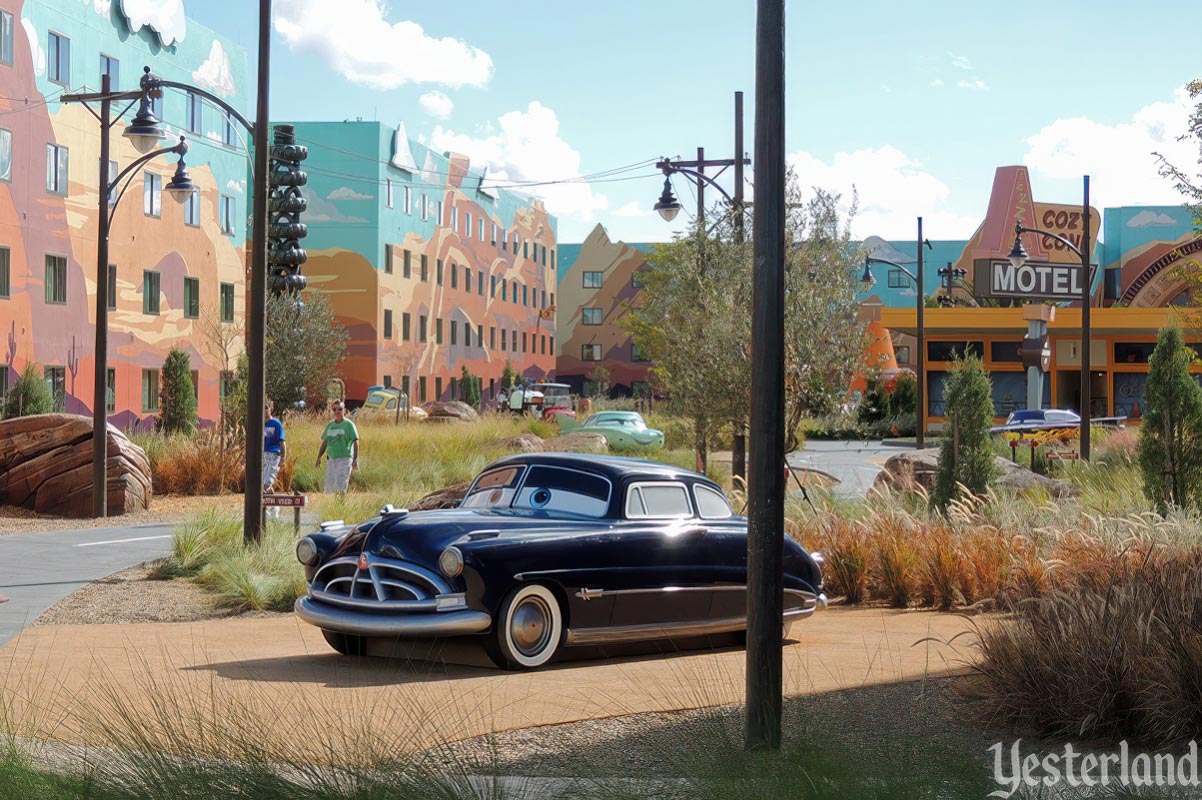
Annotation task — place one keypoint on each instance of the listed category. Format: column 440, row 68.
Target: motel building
column 1136, row 289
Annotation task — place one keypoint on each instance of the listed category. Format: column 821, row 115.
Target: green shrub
column 177, row 394
column 965, row 449
column 903, row 399
column 1170, row 445
column 470, row 390
column 30, row 395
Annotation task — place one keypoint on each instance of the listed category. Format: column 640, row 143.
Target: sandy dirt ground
column 276, row 679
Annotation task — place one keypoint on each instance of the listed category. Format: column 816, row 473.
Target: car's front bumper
column 373, row 624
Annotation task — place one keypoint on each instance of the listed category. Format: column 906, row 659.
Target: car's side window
column 711, row 504
column 659, row 500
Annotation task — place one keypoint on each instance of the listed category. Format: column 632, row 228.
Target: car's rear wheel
column 528, row 628
column 346, row 643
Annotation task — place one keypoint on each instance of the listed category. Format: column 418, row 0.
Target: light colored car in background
column 387, row 403
column 623, row 430
column 546, row 399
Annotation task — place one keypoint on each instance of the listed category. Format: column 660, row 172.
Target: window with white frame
column 229, row 136
column 56, row 280
column 6, row 38
column 590, row 352
column 192, row 210
column 6, row 155
column 388, row 192
column 194, row 120
column 57, row 168
column 58, row 58
column 592, row 280
column 227, row 214
column 152, row 195
column 408, row 200
column 590, row 316
column 111, row 67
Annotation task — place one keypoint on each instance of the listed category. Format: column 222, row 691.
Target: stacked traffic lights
column 285, row 230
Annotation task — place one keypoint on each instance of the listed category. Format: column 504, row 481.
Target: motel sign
column 1034, row 280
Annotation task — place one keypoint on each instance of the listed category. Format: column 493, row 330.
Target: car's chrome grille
column 378, row 583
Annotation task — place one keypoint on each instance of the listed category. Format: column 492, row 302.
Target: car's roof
column 616, row 415
column 613, row 467
column 553, row 385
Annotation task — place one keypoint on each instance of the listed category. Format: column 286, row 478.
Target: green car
column 623, row 430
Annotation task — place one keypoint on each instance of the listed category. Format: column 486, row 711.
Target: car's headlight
column 306, row 551
column 451, row 562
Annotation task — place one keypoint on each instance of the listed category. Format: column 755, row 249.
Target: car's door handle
column 693, row 533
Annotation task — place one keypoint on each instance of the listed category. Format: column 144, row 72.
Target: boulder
column 913, row 468
column 450, row 497
column 46, row 466
column 523, row 443
column 454, row 411
column 577, row 443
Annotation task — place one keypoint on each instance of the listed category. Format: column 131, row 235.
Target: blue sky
column 914, row 104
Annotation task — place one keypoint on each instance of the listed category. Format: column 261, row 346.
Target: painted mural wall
column 429, row 265
column 597, row 283
column 1150, row 246
column 49, row 195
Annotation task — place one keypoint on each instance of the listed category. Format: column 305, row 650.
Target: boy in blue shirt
column 274, row 448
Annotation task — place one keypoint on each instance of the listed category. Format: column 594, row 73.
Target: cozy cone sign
column 1034, row 280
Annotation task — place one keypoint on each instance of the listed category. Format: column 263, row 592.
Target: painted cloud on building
column 347, row 193
column 100, row 6
column 1150, row 219
column 165, row 17
column 37, row 53
column 215, row 73
column 236, row 186
column 321, row 211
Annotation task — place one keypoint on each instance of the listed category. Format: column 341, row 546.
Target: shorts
column 338, row 474
column 271, row 468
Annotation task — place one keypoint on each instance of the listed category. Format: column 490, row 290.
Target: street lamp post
column 1018, row 257
column 668, row 207
column 950, row 277
column 920, row 306
column 144, row 132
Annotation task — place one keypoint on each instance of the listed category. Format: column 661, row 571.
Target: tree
column 30, row 395
column 693, row 320
column 224, row 341
column 823, row 337
column 1188, row 184
column 469, row 388
column 177, row 394
column 965, row 455
column 509, row 375
column 305, row 345
column 1170, row 442
column 598, row 384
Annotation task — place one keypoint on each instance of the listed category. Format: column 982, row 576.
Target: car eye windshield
column 494, row 489
column 564, row 491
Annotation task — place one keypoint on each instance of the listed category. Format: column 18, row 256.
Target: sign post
column 1036, row 351
column 296, row 501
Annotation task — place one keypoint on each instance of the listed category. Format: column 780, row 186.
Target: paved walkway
column 276, row 678
column 854, row 464
column 39, row 569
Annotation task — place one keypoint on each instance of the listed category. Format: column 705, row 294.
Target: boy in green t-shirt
column 340, row 445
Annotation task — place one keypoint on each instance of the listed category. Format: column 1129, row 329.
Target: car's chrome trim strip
column 344, row 620
column 680, row 630
column 592, row 594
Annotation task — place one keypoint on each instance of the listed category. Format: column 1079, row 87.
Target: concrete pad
column 278, row 678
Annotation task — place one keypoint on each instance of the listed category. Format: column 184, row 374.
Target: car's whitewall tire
column 528, row 629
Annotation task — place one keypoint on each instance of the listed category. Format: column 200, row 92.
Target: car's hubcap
column 530, row 626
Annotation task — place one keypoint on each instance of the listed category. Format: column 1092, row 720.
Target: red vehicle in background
column 545, row 399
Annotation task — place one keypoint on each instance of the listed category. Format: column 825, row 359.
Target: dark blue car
column 547, row 550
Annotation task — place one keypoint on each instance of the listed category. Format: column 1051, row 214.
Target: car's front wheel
column 528, row 628
column 346, row 643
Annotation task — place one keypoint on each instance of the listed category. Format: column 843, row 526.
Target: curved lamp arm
column 151, row 81
column 875, row 260
column 669, row 168
column 1019, row 230
column 180, row 149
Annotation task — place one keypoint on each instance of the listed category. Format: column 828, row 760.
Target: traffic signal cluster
column 285, row 256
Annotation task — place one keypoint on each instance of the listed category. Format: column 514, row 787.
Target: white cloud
column 892, row 190
column 347, row 193
column 937, row 82
column 237, row 187
column 321, row 211
column 632, row 209
column 976, row 83
column 1150, row 219
column 1119, row 158
column 527, row 147
column 437, row 104
column 355, row 38
column 164, row 17
column 35, row 46
column 960, row 62
column 215, row 73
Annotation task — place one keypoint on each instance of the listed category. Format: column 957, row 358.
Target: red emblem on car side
column 363, row 561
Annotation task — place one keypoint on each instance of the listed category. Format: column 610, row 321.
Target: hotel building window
column 590, row 352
